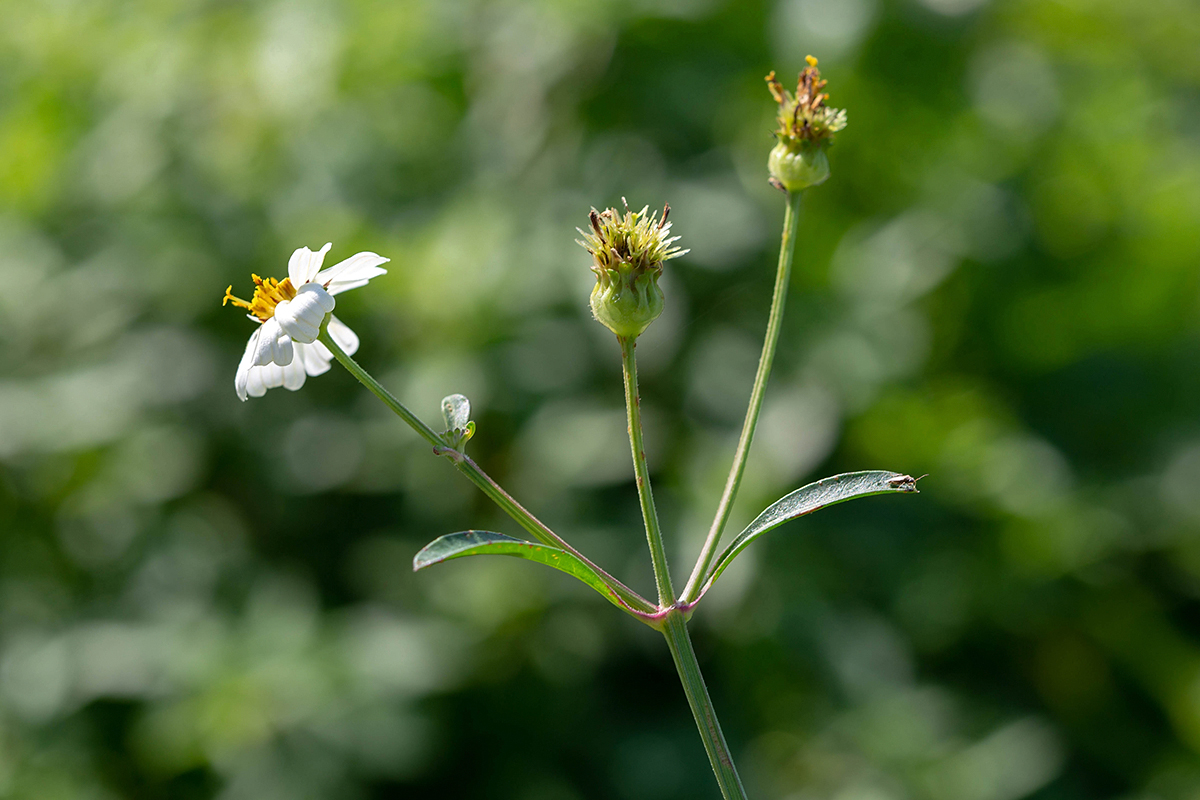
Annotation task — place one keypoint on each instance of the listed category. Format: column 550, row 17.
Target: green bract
column 628, row 251
column 797, row 167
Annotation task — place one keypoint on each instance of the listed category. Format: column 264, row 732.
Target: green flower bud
column 806, row 129
column 628, row 252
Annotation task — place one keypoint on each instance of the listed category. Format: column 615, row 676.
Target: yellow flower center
column 268, row 293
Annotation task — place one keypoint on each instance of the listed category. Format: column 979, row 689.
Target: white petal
column 345, row 338
column 245, row 365
column 302, row 316
column 321, row 297
column 355, row 271
column 302, row 329
column 298, row 266
column 271, row 375
column 268, row 333
column 304, row 264
column 315, row 357
column 281, row 353
column 294, row 375
column 322, row 351
column 254, row 382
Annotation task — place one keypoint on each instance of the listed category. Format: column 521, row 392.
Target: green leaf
column 478, row 543
column 807, row 499
column 456, row 410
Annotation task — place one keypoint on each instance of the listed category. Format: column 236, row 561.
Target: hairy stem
column 639, row 606
column 774, row 323
column 680, row 643
column 633, row 406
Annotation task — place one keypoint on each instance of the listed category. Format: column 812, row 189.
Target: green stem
column 633, row 405
column 774, row 323
column 529, row 522
column 680, row 643
column 427, row 433
column 493, row 490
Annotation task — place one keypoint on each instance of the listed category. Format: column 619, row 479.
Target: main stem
column 477, row 476
column 674, row 626
column 680, row 643
column 633, row 405
column 774, row 323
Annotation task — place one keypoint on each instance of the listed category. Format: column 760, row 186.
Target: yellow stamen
column 812, row 60
column 268, row 293
column 776, row 88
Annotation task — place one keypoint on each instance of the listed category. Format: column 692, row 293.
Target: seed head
column 628, row 251
column 806, row 128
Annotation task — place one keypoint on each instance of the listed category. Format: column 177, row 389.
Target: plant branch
column 633, row 406
column 774, row 324
column 638, row 606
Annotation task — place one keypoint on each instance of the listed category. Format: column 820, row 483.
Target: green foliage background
column 201, row 598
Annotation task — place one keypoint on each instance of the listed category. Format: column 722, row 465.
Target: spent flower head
column 806, row 128
column 628, row 251
column 283, row 350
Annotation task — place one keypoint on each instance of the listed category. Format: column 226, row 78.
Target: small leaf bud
column 628, row 251
column 456, row 411
column 806, row 129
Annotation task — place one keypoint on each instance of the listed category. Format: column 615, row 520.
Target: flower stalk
column 633, row 408
column 783, row 272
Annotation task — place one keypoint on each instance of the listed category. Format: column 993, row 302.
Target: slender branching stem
column 427, row 433
column 633, row 405
column 536, row 527
column 638, row 606
column 680, row 643
column 774, row 323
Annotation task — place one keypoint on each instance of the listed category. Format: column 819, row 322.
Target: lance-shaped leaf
column 807, row 499
column 478, row 543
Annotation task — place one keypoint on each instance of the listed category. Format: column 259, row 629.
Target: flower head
column 628, row 251
column 284, row 349
column 806, row 128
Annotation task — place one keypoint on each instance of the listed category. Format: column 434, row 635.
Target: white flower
column 284, row 349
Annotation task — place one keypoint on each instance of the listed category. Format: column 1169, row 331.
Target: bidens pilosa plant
column 298, row 336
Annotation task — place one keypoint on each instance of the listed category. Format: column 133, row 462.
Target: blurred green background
column 999, row 286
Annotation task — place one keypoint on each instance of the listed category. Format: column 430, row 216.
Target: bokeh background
column 1000, row 286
